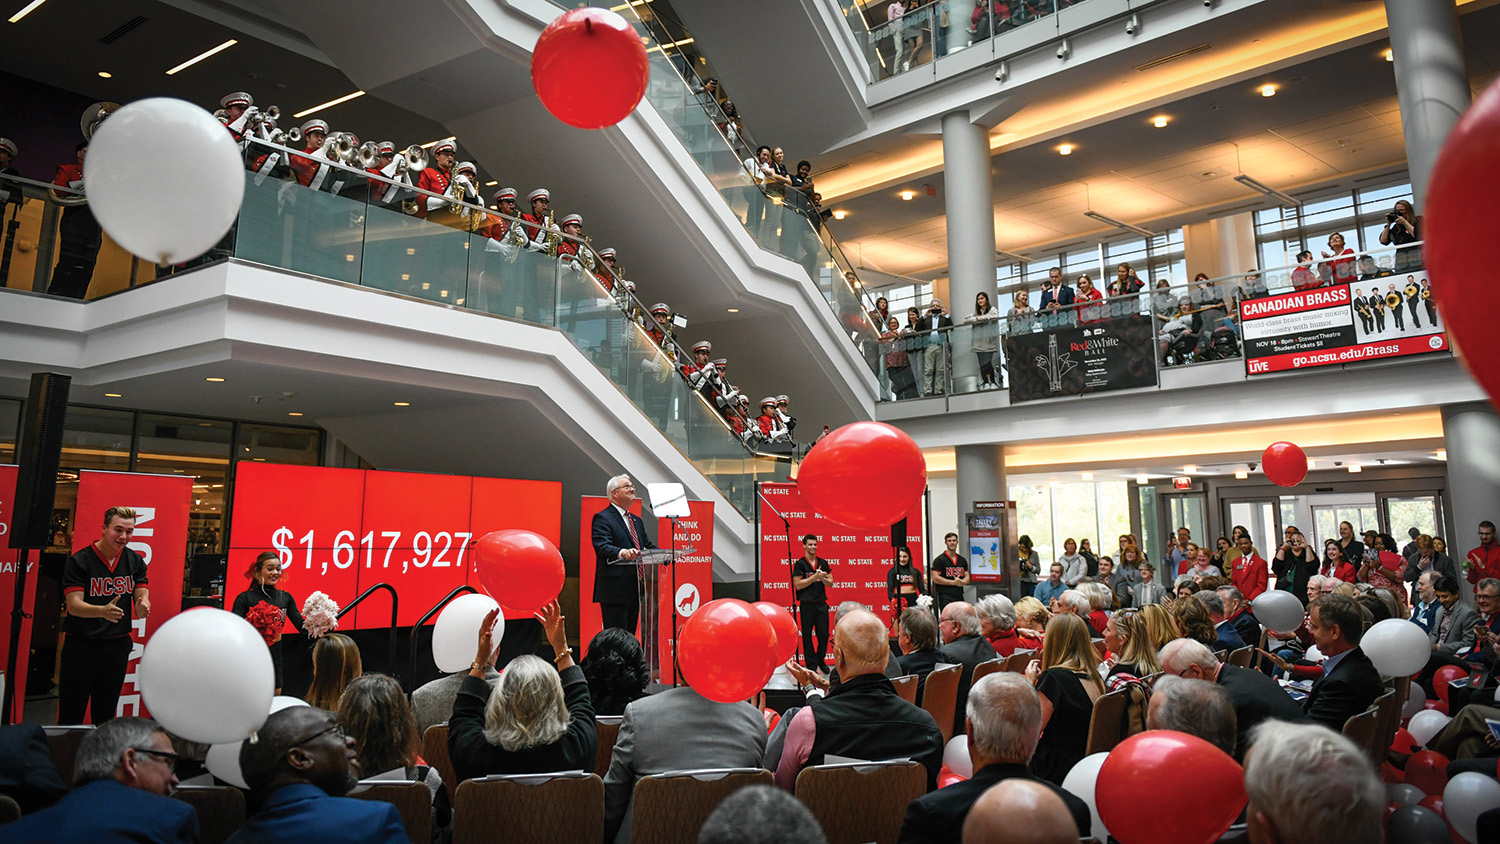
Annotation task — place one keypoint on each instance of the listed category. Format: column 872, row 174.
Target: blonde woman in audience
column 336, row 663
column 1132, row 650
column 1161, row 627
column 1031, row 617
column 1068, row 685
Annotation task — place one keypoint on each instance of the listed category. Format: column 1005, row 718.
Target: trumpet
column 368, row 154
column 273, row 112
column 93, row 116
column 290, row 136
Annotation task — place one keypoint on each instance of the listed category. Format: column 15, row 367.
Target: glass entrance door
column 1406, row 511
column 1260, row 516
column 1177, row 510
column 1326, row 519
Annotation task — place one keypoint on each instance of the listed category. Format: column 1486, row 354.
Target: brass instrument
column 553, row 234
column 93, row 116
column 222, row 115
column 287, row 138
column 586, row 253
column 454, row 193
column 368, row 155
column 273, row 112
column 413, row 158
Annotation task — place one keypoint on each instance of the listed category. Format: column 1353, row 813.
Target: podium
column 653, row 566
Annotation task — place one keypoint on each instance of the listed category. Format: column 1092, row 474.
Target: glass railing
column 49, row 240
column 921, row 36
column 1168, row 327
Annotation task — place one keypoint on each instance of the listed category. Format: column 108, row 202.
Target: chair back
column 435, row 753
column 556, row 808
column 1242, row 657
column 671, row 807
column 1100, row 649
column 906, row 687
column 1107, row 724
column 412, row 799
column 1388, row 719
column 607, row 727
column 985, row 669
column 1018, row 661
column 940, row 697
column 1363, row 729
column 221, row 809
column 861, row 801
column 63, row 742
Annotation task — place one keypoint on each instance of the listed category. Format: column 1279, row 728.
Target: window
column 1164, row 256
column 1053, row 513
column 1359, row 215
column 908, row 296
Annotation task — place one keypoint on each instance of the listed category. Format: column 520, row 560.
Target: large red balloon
column 1284, row 463
column 1428, row 770
column 520, row 569
column 785, row 627
column 1459, row 224
column 1443, row 678
column 589, row 68
column 865, row 475
column 727, row 650
column 1175, row 763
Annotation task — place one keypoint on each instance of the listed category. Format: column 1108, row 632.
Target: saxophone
column 586, row 253
column 515, row 234
column 553, row 234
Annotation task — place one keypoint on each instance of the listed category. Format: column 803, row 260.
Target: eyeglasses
column 336, row 728
column 165, row 757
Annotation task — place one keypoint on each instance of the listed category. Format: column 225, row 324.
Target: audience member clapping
column 615, row 667
column 1068, row 685
column 1310, row 785
column 1196, row 707
column 336, row 663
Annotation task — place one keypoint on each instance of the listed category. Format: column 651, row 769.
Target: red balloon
column 946, row 777
column 1175, row 763
column 1443, row 677
column 865, row 475
column 1428, row 770
column 727, row 650
column 520, row 569
column 1284, row 463
column 1460, row 218
column 785, row 627
column 1391, row 773
column 589, row 68
column 1405, row 742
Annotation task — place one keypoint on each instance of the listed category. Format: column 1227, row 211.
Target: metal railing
column 47, row 235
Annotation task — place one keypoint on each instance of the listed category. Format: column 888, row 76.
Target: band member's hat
column 721, row 363
column 630, row 285
column 238, row 98
column 315, row 125
column 660, row 308
column 10, row 145
column 465, row 165
column 781, row 399
column 539, row 193
column 505, row 193
column 571, row 218
column 607, row 252
column 744, row 399
column 703, row 346
column 387, row 148
column 768, row 401
column 443, row 146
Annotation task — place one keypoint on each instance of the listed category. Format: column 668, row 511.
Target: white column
column 1432, row 85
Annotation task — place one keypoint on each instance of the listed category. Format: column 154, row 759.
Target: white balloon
column 1278, row 610
column 956, row 756
column 164, row 179
column 1426, row 724
column 1404, row 793
column 1416, row 701
column 1080, row 783
column 1468, row 796
column 455, row 637
column 206, row 676
column 1397, row 647
column 223, row 760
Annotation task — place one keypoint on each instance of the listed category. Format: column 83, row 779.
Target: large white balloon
column 956, row 756
column 1278, row 610
column 164, row 179
column 1468, row 796
column 1080, row 783
column 223, row 760
column 206, row 676
column 455, row 637
column 1426, row 724
column 1397, row 647
column 1416, row 701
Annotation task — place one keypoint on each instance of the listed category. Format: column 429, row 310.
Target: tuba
column 93, row 116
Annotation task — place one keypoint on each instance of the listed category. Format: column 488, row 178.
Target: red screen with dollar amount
column 340, row 531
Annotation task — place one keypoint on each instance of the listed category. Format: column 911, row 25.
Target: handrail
column 411, row 678
column 395, row 600
column 46, row 191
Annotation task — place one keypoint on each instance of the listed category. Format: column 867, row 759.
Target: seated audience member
column 1226, row 637
column 862, row 718
column 1467, row 736
column 760, row 814
column 27, row 773
column 375, row 714
column 1031, row 617
column 300, row 767
column 1147, row 591
column 675, row 730
column 1128, row 640
column 1310, row 785
column 335, row 662
column 1161, row 626
column 432, row 702
column 918, row 641
column 1349, row 683
column 1019, row 812
column 1452, row 633
column 815, row 683
column 1184, row 586
column 1068, row 685
column 1004, row 723
column 535, row 720
column 1192, row 617
column 1100, row 599
column 997, row 621
column 962, row 645
column 122, row 776
column 1076, row 603
column 1255, row 696
column 1237, row 611
column 1196, row 707
column 615, row 667
column 1424, row 609
column 1048, row 590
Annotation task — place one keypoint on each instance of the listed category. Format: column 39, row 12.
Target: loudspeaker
column 898, row 534
column 39, row 453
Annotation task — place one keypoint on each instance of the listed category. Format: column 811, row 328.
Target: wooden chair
column 608, row 729
column 1363, row 729
column 671, row 807
column 861, row 801
column 984, row 669
column 1388, row 719
column 1221, row 656
column 435, row 753
column 1018, row 661
column 906, row 687
column 412, row 799
column 63, row 742
column 558, row 808
column 1242, row 657
column 1100, row 649
column 221, row 809
column 940, row 697
column 1107, row 724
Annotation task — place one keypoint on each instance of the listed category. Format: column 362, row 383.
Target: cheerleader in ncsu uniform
column 103, row 585
column 903, row 583
column 264, row 575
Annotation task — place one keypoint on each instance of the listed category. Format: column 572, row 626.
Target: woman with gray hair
column 536, row 719
column 997, row 621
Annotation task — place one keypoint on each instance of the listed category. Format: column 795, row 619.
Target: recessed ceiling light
column 1389, row 56
column 1355, row 468
column 908, row 195
column 1311, row 464
column 1160, row 121
column 330, row 104
column 104, row 74
column 1268, row 90
column 734, row 310
column 201, row 56
column 1088, row 476
column 426, row 285
column 1241, row 474
column 113, row 396
column 293, row 413
column 839, row 215
column 1065, row 149
column 402, row 404
column 214, row 380
column 1142, row 480
column 1188, row 470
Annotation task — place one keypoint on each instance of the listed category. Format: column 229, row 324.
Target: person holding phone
column 1294, row 563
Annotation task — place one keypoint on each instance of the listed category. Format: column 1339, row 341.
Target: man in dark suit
column 1255, row 696
column 123, row 774
column 618, row 534
column 1004, row 722
column 301, row 765
column 1238, row 612
column 963, row 644
column 1228, row 637
column 1350, row 682
column 918, row 640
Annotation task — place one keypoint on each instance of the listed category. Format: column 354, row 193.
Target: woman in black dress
column 264, row 576
column 903, row 583
column 1068, row 685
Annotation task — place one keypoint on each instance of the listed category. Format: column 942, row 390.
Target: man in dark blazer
column 918, row 639
column 1350, row 682
column 1255, row 696
column 1237, row 610
column 618, row 534
column 1004, row 723
column 1454, row 622
column 301, row 766
column 963, row 645
column 123, row 774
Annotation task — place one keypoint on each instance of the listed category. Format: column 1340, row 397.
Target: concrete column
column 1432, row 85
column 1471, row 434
column 971, row 214
column 980, row 476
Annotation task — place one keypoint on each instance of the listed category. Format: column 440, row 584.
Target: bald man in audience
column 862, row 717
column 1020, row 812
column 1255, row 696
column 1310, row 785
column 1196, row 707
column 1003, row 724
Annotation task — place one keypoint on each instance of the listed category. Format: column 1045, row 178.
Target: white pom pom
column 320, row 614
column 924, row 601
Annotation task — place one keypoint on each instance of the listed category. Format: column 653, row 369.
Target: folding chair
column 940, row 697
column 861, row 801
column 221, row 809
column 608, row 729
column 671, row 807
column 64, row 741
column 411, row 798
column 435, row 753
column 556, row 808
column 906, row 687
column 1107, row 724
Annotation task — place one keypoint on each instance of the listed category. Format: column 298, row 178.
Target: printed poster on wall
column 1386, row 317
column 1113, row 354
column 10, row 575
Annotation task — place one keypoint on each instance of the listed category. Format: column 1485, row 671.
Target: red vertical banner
column 11, row 574
column 162, row 504
column 590, row 619
column 688, row 584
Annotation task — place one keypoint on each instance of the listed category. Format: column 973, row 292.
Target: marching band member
column 605, row 271
column 436, row 178
column 263, row 160
column 788, row 421
column 768, row 424
column 498, row 227
column 699, row 370
column 79, row 236
column 541, row 200
column 660, row 329
column 236, row 106
column 12, row 193
column 468, row 178
column 306, row 166
column 382, row 193
column 569, row 252
column 739, row 421
column 725, row 394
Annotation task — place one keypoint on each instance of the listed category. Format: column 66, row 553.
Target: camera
column 1132, row 25
column 1390, row 216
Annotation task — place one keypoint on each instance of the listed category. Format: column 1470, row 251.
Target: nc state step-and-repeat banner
column 10, row 575
column 859, row 559
column 340, row 531
column 1389, row 317
column 1113, row 354
column 162, row 504
column 694, row 583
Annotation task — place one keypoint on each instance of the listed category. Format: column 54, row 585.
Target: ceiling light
column 1095, row 215
column 1311, row 464
column 1441, row 454
column 293, row 413
column 330, row 104
column 1241, row 474
column 104, row 74
column 426, row 285
column 1268, row 90
column 1190, row 469
column 1142, row 480
column 839, row 215
column 1261, row 187
column 403, row 404
column 1389, row 56
column 214, row 380
column 201, row 56
column 491, row 183
column 1065, row 149
column 908, row 195
column 1160, row 121
column 29, row 8
column 1088, row 476
column 734, row 310
column 1355, row 468
column 114, row 396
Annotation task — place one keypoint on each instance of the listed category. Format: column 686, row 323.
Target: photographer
column 1294, row 563
column 1401, row 227
column 934, row 370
